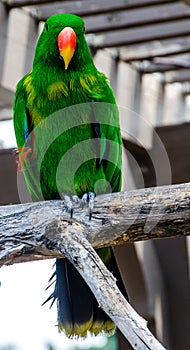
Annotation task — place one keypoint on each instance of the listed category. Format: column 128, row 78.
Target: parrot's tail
column 78, row 310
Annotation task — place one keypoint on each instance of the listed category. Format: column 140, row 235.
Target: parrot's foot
column 71, row 201
column 89, row 198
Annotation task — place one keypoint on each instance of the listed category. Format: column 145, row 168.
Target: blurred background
column 143, row 46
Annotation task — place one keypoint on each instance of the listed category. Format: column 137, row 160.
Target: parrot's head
column 62, row 42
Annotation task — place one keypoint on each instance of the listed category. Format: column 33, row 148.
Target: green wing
column 107, row 127
column 20, row 114
column 25, row 137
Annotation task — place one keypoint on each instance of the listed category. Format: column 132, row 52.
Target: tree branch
column 44, row 229
column 102, row 283
column 151, row 213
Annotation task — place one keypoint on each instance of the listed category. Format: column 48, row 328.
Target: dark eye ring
column 46, row 26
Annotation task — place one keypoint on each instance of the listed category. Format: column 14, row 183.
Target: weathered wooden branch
column 44, row 229
column 102, row 283
column 150, row 213
column 74, row 246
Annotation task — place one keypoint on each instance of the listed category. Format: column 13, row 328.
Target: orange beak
column 67, row 44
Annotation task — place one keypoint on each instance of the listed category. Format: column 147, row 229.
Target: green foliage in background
column 110, row 345
column 8, row 347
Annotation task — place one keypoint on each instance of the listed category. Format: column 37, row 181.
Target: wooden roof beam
column 21, row 3
column 135, row 18
column 162, row 64
column 96, row 6
column 187, row 2
column 146, row 33
column 149, row 68
column 92, row 8
column 149, row 53
column 148, row 46
column 180, row 76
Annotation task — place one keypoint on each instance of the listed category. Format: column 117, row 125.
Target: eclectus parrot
column 69, row 141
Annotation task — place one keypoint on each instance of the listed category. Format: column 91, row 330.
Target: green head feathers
column 62, row 43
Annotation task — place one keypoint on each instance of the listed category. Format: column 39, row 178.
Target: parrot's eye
column 46, row 27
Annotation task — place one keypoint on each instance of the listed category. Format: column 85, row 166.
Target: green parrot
column 69, row 143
